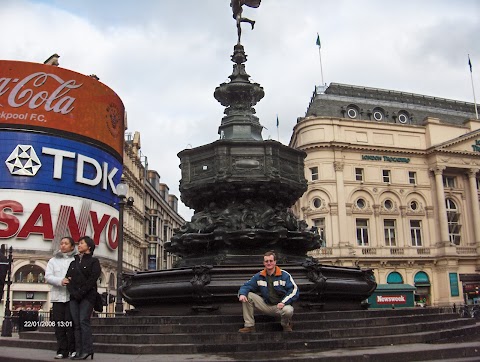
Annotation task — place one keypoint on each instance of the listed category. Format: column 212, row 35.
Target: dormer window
column 403, row 117
column 352, row 111
column 378, row 114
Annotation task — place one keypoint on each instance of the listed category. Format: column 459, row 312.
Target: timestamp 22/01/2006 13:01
column 34, row 324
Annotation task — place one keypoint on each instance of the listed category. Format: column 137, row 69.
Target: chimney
column 53, row 60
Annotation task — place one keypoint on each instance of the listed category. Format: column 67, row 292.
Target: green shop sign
column 388, row 158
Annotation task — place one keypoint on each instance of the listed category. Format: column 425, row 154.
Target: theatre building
column 393, row 185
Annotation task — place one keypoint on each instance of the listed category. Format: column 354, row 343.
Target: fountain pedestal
column 241, row 189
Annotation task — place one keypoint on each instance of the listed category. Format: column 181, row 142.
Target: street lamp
column 122, row 190
column 7, row 321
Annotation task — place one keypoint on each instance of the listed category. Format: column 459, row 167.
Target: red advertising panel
column 61, row 101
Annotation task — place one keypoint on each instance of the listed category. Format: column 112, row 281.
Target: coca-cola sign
column 28, row 92
column 62, row 101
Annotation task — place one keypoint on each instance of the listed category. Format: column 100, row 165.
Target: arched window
column 421, row 279
column 30, row 274
column 422, row 283
column 394, row 278
column 453, row 219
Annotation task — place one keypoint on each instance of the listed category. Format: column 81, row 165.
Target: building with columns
column 393, row 183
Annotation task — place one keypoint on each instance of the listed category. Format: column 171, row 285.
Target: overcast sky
column 164, row 58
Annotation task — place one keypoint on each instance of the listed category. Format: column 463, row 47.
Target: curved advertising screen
column 62, row 137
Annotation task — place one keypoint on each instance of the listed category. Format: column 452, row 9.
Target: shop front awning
column 421, row 279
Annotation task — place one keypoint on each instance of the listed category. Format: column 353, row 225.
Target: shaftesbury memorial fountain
column 241, row 188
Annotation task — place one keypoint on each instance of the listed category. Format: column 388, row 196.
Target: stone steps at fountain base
column 160, row 337
column 458, row 352
column 314, row 332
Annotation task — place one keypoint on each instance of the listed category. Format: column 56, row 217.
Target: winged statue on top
column 237, row 10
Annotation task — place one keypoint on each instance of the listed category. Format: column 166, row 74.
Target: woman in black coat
column 83, row 274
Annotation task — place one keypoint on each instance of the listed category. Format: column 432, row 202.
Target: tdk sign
column 102, row 172
column 54, row 164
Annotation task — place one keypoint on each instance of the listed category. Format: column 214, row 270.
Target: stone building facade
column 393, row 186
column 144, row 242
column 162, row 218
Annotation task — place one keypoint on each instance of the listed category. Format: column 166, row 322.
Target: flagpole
column 320, row 57
column 473, row 88
column 278, row 132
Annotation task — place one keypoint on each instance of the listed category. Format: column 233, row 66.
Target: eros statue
column 236, row 6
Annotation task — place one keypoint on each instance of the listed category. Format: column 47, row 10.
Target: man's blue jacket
column 282, row 282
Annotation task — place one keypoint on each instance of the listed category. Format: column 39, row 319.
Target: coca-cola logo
column 113, row 119
column 28, row 92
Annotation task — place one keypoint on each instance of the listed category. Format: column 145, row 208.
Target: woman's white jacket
column 56, row 269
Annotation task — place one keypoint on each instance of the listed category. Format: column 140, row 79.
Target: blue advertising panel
column 42, row 162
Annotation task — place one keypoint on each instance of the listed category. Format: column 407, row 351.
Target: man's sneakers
column 288, row 328
column 247, row 329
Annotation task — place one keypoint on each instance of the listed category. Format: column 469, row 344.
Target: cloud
column 165, row 58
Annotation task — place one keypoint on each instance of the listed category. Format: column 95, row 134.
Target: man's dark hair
column 271, row 252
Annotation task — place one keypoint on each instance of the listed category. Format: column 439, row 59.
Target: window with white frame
column 320, row 225
column 152, row 225
column 362, row 232
column 453, row 219
column 314, row 173
column 449, row 181
column 165, row 233
column 359, row 174
column 386, row 176
column 412, row 177
column 389, row 232
column 152, row 249
column 416, row 232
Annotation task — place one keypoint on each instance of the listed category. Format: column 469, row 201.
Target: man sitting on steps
column 277, row 292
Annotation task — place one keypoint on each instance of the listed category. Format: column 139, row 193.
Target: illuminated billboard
column 54, row 99
column 62, row 137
